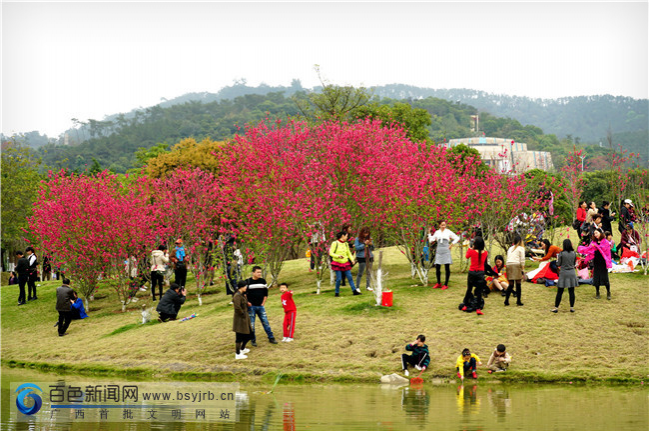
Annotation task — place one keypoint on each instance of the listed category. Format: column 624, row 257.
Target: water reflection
column 415, row 402
column 499, row 402
column 476, row 406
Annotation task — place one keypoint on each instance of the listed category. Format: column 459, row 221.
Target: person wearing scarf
column 599, row 251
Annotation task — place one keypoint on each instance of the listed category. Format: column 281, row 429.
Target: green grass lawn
column 345, row 338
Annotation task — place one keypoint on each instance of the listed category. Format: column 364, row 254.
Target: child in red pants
column 289, row 312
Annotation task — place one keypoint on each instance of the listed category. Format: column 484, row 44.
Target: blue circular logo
column 24, row 391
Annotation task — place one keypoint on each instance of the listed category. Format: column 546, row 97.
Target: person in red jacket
column 289, row 312
column 582, row 212
column 476, row 283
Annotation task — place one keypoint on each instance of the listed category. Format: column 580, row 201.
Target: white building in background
column 506, row 155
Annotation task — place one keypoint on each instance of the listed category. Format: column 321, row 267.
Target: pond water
column 481, row 406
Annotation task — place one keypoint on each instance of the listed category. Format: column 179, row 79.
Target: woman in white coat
column 445, row 240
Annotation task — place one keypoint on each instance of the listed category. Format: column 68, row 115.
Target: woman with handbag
column 159, row 261
column 341, row 261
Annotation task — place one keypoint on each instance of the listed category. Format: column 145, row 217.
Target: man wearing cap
column 626, row 215
column 180, row 264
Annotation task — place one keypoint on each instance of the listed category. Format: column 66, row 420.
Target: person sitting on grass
column 170, row 303
column 77, row 310
column 497, row 279
column 420, row 357
column 499, row 359
column 466, row 363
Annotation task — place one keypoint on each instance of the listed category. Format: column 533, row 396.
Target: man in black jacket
column 607, row 216
column 22, row 269
column 171, row 301
column 33, row 274
column 64, row 301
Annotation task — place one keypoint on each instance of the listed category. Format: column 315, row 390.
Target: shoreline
column 293, row 377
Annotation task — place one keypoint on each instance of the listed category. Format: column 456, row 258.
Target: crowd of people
column 559, row 266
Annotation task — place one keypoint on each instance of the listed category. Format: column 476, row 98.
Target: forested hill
column 113, row 140
column 586, row 117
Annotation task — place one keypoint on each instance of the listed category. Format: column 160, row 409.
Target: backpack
column 473, row 305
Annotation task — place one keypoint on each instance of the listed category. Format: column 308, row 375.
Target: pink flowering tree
column 90, row 225
column 573, row 179
column 190, row 204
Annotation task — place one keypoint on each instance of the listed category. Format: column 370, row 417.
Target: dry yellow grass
column 347, row 338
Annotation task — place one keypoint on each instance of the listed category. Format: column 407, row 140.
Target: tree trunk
column 200, row 300
column 378, row 285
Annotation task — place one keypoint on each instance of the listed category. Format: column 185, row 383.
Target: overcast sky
column 88, row 60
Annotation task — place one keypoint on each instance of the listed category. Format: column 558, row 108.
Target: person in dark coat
column 241, row 322
column 22, row 268
column 171, row 301
column 64, row 301
column 33, row 274
column 607, row 216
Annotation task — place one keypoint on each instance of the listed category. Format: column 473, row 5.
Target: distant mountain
column 544, row 124
column 586, row 117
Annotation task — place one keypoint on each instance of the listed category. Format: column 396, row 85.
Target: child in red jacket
column 289, row 312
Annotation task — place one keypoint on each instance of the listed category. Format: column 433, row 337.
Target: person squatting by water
column 420, row 357
column 443, row 238
column 499, row 359
column 466, row 364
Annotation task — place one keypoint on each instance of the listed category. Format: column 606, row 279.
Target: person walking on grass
column 515, row 267
column 420, row 357
column 64, row 301
column 476, row 279
column 170, row 303
column 257, row 295
column 445, row 240
column 290, row 312
column 159, row 261
column 566, row 261
column 364, row 256
column 341, row 262
column 599, row 251
column 241, row 322
column 33, row 274
column 22, row 268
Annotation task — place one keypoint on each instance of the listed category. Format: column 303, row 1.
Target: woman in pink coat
column 599, row 251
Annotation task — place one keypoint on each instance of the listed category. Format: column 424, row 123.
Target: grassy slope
column 345, row 338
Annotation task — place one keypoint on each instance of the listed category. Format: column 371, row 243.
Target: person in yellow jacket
column 466, row 363
column 341, row 261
